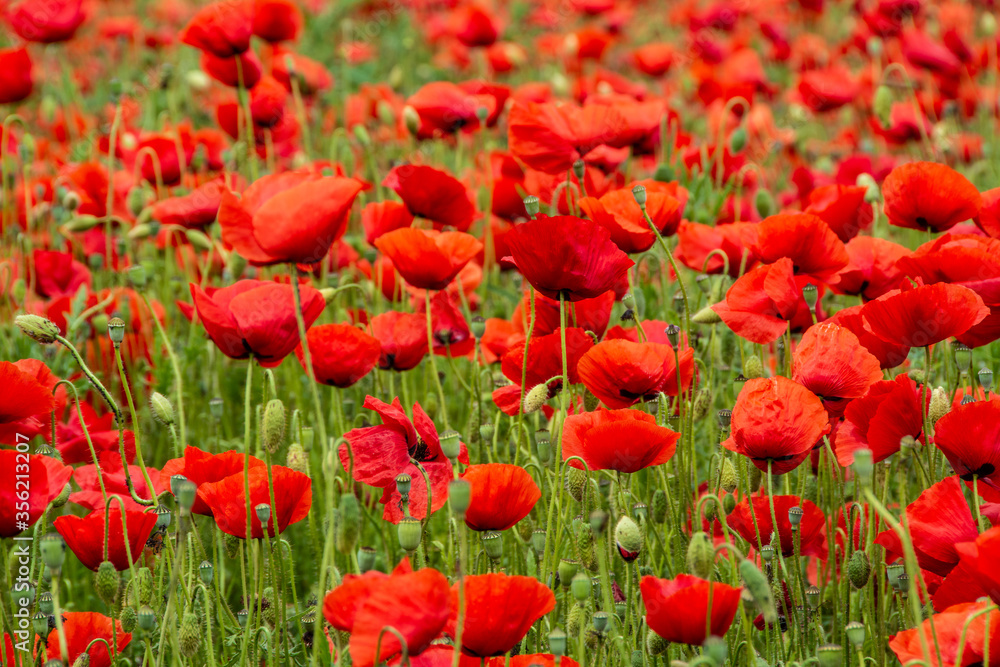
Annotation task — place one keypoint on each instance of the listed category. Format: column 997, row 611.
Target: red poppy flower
column 499, row 611
column 678, row 609
column 831, row 363
column 195, row 210
column 696, row 241
column 289, row 217
column 81, row 628
column 22, row 397
column 759, row 306
column 403, row 339
column 550, row 137
column 544, row 364
column 451, row 334
column 889, row 355
column 980, row 558
column 267, row 102
column 501, row 495
column 159, row 160
column 221, row 28
column 828, row 89
column 522, row 660
column 71, row 440
column 805, row 239
column 428, row 259
column 889, row 411
column 988, row 218
column 961, row 625
column 85, row 536
column 924, row 315
column 313, row 76
column 229, row 70
column 567, row 256
column 622, row 373
column 618, row 212
column 444, row 108
column 654, row 59
column 843, row 208
column 380, row 218
column 776, row 421
column 587, row 314
column 936, row 521
column 255, row 317
column 227, row 500
column 46, row 478
column 378, row 454
column 925, row 195
column 204, row 469
column 811, row 534
column 872, row 269
column 277, row 20
column 432, row 194
column 48, row 22
column 15, row 75
column 969, row 436
column 341, row 354
column 342, row 604
column 474, row 26
column 622, row 440
column 419, row 615
column 112, row 475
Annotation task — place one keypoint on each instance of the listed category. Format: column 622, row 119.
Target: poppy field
column 499, row 333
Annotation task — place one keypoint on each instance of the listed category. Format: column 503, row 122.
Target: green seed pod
column 409, row 532
column 161, row 408
column 189, row 636
column 493, row 545
column 567, row 569
column 459, row 496
column 274, row 425
column 581, row 587
column 658, row 506
column 37, row 328
column 297, row 459
column 728, row 478
column 753, row 368
column 525, row 528
column 830, row 655
column 106, row 582
column 486, row 432
column 655, row 644
column 855, row 632
column 759, row 589
column 53, row 550
column 147, row 618
column 859, row 569
column 700, row 557
column 349, row 525
column 128, row 619
column 628, row 538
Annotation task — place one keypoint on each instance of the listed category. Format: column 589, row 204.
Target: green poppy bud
column 128, row 619
column 760, row 590
column 716, row 649
column 37, row 328
column 753, row 368
column 162, row 409
column 939, row 405
column 106, row 582
column 706, row 316
column 53, row 549
column 655, row 644
column 535, row 398
column 882, row 105
column 297, row 459
column 700, row 557
column 737, row 140
column 366, row 559
column 189, row 635
column 764, row 203
column 598, row 521
column 628, row 538
column 274, row 425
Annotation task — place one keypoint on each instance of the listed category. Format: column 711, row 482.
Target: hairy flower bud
column 700, row 557
column 759, row 589
column 106, row 582
column 274, row 425
column 349, row 525
column 753, row 368
column 939, row 405
column 859, row 569
column 162, row 409
column 535, row 398
column 189, row 635
column 658, row 506
column 37, row 328
column 706, row 316
column 628, row 538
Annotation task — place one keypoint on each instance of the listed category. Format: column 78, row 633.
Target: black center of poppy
column 922, row 221
column 984, row 470
column 421, row 452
